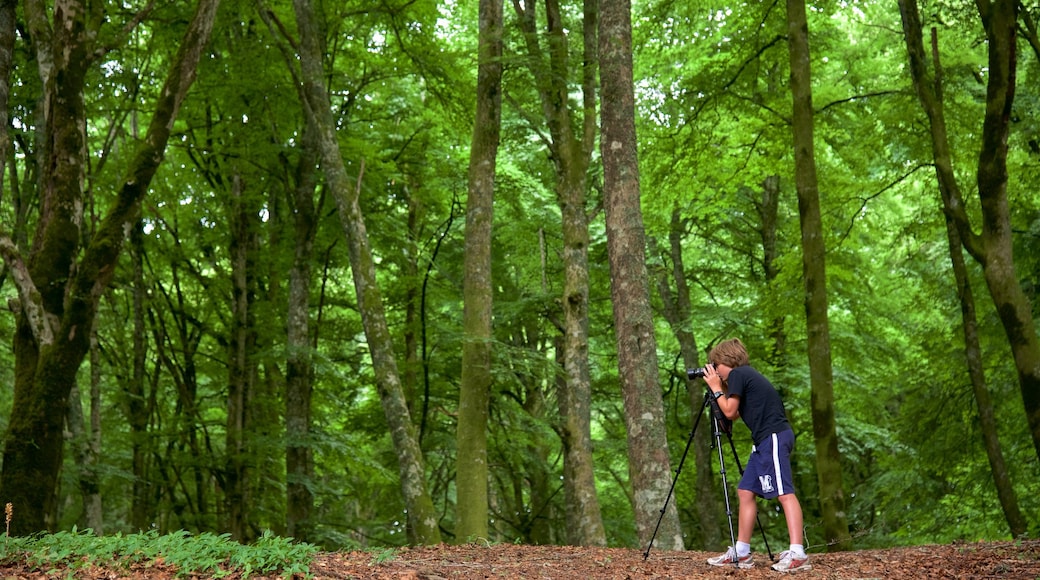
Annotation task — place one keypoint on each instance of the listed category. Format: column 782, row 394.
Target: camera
column 698, row 372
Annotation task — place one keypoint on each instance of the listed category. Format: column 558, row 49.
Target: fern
column 213, row 555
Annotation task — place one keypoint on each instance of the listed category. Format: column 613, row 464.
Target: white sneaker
column 730, row 558
column 791, row 562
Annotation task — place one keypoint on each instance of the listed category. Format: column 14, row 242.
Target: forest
column 408, row 272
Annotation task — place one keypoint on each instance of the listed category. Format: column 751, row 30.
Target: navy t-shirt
column 760, row 404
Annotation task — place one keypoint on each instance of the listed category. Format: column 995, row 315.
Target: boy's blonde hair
column 731, row 353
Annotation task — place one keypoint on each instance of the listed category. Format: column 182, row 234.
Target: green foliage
column 384, row 555
column 206, row 554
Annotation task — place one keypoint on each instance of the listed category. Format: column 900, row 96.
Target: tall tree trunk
column 242, row 363
column 571, row 154
column 930, row 94
column 471, row 481
column 135, row 406
column 8, row 21
column 299, row 457
column 85, row 439
column 422, row 519
column 768, row 209
column 648, row 461
column 413, row 310
column 1017, row 524
column 828, row 458
column 993, row 247
column 92, row 509
column 57, row 310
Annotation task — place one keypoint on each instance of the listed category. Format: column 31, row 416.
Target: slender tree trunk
column 299, row 458
column 1017, row 524
column 135, row 405
column 8, row 21
column 242, row 363
column 413, row 311
column 993, row 248
column 648, row 461
column 85, row 439
column 1030, row 31
column 57, row 310
column 929, row 91
column 422, row 519
column 471, row 481
column 828, row 458
column 571, row 154
column 768, row 209
column 92, row 508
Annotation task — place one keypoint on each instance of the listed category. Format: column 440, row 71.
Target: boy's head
column 730, row 353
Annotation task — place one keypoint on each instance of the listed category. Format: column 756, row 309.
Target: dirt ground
column 989, row 560
column 1011, row 560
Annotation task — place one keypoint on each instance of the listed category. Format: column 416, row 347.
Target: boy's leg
column 741, row 553
column 746, row 515
column 794, row 559
column 793, row 515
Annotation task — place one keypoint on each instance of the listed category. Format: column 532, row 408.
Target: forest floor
column 1011, row 560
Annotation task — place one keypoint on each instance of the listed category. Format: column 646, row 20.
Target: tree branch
column 31, row 302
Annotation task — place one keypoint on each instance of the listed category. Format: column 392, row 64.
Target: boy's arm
column 728, row 404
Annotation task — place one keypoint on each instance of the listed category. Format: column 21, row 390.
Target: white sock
column 743, row 549
column 798, row 549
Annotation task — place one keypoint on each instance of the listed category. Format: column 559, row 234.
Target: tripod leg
column 725, row 486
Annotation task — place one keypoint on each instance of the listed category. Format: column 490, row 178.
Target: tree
column 471, row 480
column 422, row 520
column 242, row 381
column 828, row 458
column 993, row 248
column 56, row 310
column 930, row 90
column 299, row 374
column 8, row 20
column 649, row 464
column 571, row 153
column 134, row 402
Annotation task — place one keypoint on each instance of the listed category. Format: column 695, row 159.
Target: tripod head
column 724, row 422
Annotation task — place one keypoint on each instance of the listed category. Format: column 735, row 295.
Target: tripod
column 720, row 424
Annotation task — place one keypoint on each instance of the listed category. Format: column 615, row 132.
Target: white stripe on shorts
column 776, row 465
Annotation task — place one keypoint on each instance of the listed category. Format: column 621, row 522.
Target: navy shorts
column 768, row 472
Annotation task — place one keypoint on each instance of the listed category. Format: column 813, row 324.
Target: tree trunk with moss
column 60, row 282
column 299, row 367
column 471, row 480
column 814, row 271
column 929, row 91
column 422, row 519
column 648, row 461
column 572, row 154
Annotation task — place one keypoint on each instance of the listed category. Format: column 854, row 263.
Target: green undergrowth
column 212, row 555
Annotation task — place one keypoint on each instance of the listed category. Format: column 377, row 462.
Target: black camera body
column 698, row 372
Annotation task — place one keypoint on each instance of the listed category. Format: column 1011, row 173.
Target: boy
column 751, row 396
